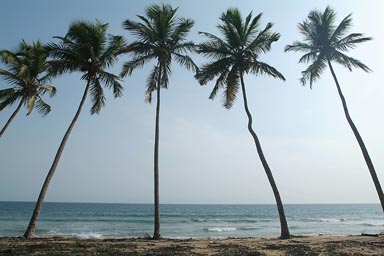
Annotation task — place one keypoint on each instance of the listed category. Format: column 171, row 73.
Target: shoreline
column 271, row 246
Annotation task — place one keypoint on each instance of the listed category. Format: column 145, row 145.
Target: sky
column 206, row 152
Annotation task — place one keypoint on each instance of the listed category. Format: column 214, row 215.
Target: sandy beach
column 315, row 245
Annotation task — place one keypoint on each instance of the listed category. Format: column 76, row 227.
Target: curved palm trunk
column 11, row 118
column 32, row 224
column 364, row 150
column 156, row 232
column 283, row 221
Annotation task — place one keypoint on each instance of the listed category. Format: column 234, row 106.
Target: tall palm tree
column 325, row 42
column 234, row 56
column 27, row 72
column 87, row 49
column 161, row 37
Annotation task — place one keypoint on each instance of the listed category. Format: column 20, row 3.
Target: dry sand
column 316, row 245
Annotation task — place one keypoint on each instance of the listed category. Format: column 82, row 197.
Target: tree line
column 161, row 37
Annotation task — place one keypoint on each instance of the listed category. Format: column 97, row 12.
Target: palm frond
column 214, row 49
column 117, row 89
column 342, row 28
column 9, row 100
column 42, row 107
column 232, row 87
column 144, row 33
column 261, row 68
column 11, row 78
column 350, row 41
column 252, row 28
column 134, row 64
column 183, row 48
column 151, row 83
column 60, row 67
column 110, row 54
column 220, row 82
column 313, row 72
column 308, row 30
column 308, row 57
column 97, row 96
column 10, row 58
column 185, row 61
column 165, row 73
column 349, row 62
column 263, row 41
column 214, row 38
column 181, row 30
column 5, row 93
column 47, row 88
column 111, row 81
column 31, row 104
column 299, row 47
column 47, row 77
column 209, row 71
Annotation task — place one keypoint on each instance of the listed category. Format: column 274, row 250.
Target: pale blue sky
column 206, row 153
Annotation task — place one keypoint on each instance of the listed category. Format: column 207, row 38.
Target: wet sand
column 314, row 245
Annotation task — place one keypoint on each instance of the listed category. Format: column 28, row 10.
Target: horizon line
column 177, row 203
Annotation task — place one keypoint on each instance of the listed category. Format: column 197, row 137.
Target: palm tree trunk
column 364, row 150
column 156, row 233
column 11, row 118
column 32, row 224
column 283, row 221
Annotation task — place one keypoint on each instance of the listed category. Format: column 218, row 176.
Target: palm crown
column 27, row 72
column 238, row 53
column 325, row 42
column 86, row 48
column 161, row 37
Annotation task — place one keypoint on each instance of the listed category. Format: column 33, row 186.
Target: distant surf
column 93, row 220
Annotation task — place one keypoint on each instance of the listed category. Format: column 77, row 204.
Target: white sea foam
column 88, row 235
column 221, row 229
column 247, row 228
column 372, row 224
column 325, row 220
column 198, row 220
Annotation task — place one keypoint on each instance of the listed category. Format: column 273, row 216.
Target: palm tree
column 160, row 37
column 86, row 49
column 27, row 72
column 324, row 43
column 234, row 56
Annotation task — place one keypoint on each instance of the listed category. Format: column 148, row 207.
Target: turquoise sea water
column 182, row 221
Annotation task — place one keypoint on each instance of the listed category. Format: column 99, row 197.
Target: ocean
column 99, row 220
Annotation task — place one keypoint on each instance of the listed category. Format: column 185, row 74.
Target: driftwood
column 366, row 234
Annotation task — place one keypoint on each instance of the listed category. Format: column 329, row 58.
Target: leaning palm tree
column 161, row 37
column 232, row 57
column 324, row 43
column 86, row 49
column 27, row 72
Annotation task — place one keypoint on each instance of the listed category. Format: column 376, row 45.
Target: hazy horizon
column 206, row 153
column 176, row 203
